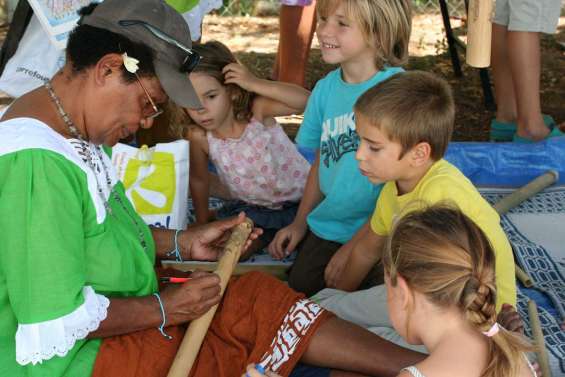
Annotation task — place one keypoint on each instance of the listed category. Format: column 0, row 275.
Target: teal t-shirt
column 329, row 125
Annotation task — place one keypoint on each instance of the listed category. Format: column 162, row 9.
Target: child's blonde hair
column 386, row 25
column 410, row 108
column 214, row 57
column 443, row 255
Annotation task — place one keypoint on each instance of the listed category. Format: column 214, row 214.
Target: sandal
column 555, row 132
column 505, row 131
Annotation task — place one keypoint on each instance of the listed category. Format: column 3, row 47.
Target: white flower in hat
column 130, row 63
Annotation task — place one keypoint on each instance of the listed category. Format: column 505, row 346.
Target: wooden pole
column 525, row 192
column 524, row 278
column 479, row 30
column 194, row 336
column 537, row 334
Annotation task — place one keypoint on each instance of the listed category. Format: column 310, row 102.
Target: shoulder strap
column 534, row 374
column 414, row 371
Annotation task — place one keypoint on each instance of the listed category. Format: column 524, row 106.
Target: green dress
column 61, row 254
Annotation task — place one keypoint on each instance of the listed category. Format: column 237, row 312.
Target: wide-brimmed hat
column 160, row 27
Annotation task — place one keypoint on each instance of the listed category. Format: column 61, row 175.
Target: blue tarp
column 501, row 164
column 508, row 164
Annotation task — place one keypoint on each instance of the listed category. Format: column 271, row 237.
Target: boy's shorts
column 313, row 255
column 528, row 15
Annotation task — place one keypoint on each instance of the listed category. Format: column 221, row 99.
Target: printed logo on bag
column 151, row 184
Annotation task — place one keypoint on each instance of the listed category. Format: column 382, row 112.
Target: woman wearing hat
column 78, row 290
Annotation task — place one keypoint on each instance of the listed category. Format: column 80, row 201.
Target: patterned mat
column 536, row 231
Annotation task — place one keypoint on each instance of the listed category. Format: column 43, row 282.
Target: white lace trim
column 41, row 341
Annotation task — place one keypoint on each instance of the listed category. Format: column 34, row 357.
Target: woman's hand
column 286, row 239
column 187, row 301
column 237, row 74
column 255, row 371
column 206, row 242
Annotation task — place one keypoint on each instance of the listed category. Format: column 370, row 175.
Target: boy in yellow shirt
column 405, row 124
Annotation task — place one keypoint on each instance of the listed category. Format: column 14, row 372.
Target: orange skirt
column 260, row 320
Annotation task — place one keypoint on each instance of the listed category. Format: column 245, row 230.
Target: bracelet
column 176, row 251
column 162, row 327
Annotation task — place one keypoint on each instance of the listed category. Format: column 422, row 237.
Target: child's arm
column 337, row 264
column 287, row 238
column 367, row 251
column 199, row 181
column 274, row 98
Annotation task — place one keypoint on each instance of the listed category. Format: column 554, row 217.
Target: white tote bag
column 35, row 60
column 156, row 181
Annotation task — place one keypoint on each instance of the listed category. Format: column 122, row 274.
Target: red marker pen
column 174, row 280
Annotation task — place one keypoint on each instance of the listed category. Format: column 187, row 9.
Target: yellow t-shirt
column 445, row 183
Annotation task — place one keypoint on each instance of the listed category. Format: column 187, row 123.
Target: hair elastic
column 494, row 329
column 162, row 327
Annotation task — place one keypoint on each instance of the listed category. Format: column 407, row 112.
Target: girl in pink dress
column 254, row 158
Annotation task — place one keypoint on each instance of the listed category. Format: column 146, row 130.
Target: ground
column 254, row 39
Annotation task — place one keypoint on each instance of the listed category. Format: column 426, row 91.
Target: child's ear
column 421, row 153
column 405, row 293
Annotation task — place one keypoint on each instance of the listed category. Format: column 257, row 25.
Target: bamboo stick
column 524, row 278
column 479, row 32
column 525, row 192
column 194, row 336
column 537, row 334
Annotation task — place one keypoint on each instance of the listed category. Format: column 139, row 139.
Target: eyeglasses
column 156, row 111
column 192, row 58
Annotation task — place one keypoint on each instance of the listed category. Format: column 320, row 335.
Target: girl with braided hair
column 441, row 292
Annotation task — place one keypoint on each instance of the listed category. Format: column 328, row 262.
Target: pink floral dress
column 262, row 167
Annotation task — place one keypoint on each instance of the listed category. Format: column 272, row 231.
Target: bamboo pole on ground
column 525, row 192
column 514, row 199
column 523, row 276
column 194, row 336
column 537, row 334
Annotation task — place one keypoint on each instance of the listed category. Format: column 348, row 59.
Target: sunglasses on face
column 191, row 59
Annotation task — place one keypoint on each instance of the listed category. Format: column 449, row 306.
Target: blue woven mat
column 536, row 231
